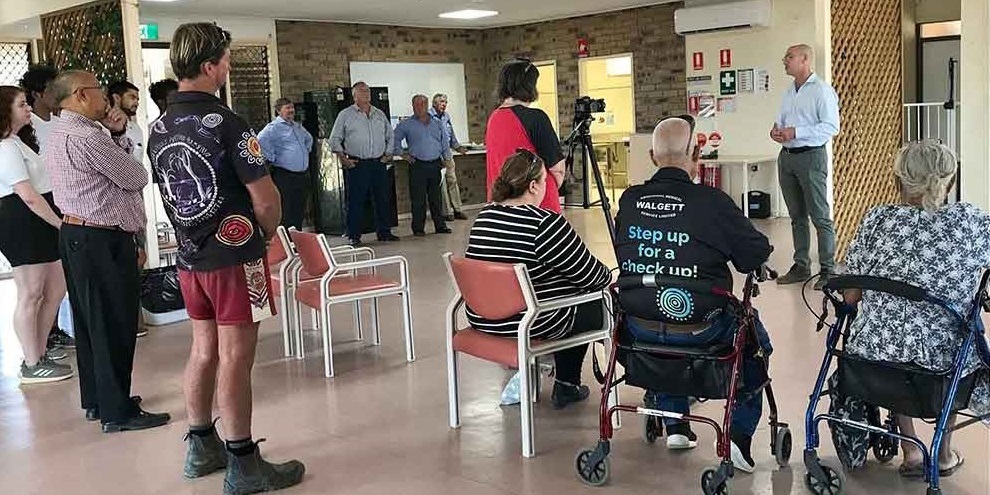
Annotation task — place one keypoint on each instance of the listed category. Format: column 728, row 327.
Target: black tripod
column 582, row 135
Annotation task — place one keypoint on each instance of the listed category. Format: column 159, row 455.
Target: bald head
column 672, row 143
column 799, row 61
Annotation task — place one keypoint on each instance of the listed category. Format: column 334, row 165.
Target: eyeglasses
column 84, row 88
column 687, row 118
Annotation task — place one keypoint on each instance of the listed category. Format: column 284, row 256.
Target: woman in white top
column 29, row 223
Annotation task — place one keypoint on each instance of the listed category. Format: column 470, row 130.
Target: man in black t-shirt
column 224, row 206
column 678, row 230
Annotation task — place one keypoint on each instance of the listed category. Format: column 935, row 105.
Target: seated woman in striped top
column 514, row 229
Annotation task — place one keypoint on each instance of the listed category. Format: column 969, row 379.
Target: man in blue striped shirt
column 427, row 143
column 286, row 144
column 809, row 117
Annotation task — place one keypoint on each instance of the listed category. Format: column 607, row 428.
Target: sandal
column 960, row 460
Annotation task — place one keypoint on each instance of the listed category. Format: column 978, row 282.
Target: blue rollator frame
column 822, row 479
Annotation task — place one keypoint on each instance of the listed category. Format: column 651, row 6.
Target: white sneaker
column 680, row 437
column 740, row 462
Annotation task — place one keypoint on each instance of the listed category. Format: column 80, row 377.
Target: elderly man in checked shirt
column 97, row 185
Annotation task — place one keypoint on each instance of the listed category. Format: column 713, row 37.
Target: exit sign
column 149, row 31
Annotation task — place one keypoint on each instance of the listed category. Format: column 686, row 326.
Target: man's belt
column 427, row 161
column 801, row 149
column 283, row 169
column 358, row 158
column 71, row 220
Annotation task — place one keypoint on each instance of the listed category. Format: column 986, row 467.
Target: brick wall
column 318, row 54
column 647, row 33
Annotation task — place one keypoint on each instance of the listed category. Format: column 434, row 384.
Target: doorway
column 611, row 78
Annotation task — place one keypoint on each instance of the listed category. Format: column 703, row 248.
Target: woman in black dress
column 29, row 223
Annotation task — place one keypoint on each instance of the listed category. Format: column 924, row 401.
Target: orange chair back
column 490, row 289
column 310, row 252
column 276, row 252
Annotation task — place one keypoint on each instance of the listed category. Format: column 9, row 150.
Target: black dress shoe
column 444, row 230
column 143, row 420
column 419, row 234
column 389, row 237
column 460, row 216
column 93, row 413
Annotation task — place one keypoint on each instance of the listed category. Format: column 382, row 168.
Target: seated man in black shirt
column 674, row 228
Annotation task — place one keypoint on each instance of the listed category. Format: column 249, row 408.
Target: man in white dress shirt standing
column 808, row 119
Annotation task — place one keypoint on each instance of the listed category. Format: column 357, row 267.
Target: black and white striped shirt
column 558, row 262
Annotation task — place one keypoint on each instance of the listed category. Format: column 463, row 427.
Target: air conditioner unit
column 723, row 16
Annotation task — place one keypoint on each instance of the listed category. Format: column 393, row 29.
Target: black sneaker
column 680, row 437
column 389, row 237
column 250, row 473
column 58, row 338
column 142, row 420
column 204, row 455
column 796, row 275
column 445, row 230
column 565, row 394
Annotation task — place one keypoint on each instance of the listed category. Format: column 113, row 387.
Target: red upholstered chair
column 496, row 291
column 343, row 282
column 286, row 274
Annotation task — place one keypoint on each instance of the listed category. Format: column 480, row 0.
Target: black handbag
column 160, row 292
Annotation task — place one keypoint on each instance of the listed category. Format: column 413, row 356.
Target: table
column 745, row 161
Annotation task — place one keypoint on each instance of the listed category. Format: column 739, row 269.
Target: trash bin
column 161, row 298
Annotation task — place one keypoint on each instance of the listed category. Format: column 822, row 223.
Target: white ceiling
column 394, row 12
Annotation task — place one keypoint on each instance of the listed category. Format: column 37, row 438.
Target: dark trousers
column 424, row 188
column 292, row 186
column 367, row 176
column 102, row 276
column 568, row 362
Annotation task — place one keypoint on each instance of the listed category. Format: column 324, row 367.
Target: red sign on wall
column 725, row 58
column 698, row 61
column 715, row 140
column 694, row 105
column 583, row 48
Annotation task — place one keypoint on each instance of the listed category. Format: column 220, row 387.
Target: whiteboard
column 405, row 80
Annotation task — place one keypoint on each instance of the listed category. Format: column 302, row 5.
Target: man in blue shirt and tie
column 427, row 142
column 808, row 119
column 286, row 145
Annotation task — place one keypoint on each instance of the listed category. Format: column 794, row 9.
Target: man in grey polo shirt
column 362, row 138
column 809, row 117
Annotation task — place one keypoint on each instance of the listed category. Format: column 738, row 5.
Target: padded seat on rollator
column 716, row 350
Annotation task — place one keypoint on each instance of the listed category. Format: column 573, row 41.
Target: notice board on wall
column 405, row 80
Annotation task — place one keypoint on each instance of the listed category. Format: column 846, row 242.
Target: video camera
column 585, row 106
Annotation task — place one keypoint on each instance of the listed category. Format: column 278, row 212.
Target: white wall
column 746, row 132
column 242, row 29
column 975, row 93
column 938, row 10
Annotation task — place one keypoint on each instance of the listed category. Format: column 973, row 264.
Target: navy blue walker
column 899, row 388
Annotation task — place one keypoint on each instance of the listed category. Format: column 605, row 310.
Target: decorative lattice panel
column 87, row 37
column 866, row 72
column 14, row 61
column 250, row 84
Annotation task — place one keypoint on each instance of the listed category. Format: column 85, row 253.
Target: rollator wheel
column 706, row 484
column 885, row 449
column 596, row 476
column 834, row 486
column 782, row 446
column 651, row 429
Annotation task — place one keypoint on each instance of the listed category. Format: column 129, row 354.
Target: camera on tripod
column 585, row 106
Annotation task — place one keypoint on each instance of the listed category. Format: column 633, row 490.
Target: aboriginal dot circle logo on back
column 675, row 303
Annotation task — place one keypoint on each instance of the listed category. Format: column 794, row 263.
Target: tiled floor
column 380, row 426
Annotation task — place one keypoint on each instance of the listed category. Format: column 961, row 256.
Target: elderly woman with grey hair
column 926, row 242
